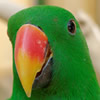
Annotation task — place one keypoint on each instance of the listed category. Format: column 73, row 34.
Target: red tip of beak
column 31, row 40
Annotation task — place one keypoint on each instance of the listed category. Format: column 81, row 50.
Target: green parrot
column 51, row 59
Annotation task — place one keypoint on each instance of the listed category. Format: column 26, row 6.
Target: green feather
column 73, row 74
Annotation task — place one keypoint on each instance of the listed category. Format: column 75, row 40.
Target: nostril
column 40, row 28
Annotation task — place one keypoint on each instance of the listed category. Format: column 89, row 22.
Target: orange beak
column 29, row 52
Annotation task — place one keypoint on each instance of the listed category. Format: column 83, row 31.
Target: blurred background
column 87, row 12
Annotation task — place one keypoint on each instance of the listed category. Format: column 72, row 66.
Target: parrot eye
column 71, row 27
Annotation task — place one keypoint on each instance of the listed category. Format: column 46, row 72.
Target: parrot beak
column 30, row 48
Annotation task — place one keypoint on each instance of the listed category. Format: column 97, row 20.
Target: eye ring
column 71, row 27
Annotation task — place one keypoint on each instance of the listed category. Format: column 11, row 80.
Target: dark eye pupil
column 72, row 27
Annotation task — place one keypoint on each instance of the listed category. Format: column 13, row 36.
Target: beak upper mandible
column 29, row 54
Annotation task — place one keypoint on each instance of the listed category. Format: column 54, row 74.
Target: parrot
column 51, row 59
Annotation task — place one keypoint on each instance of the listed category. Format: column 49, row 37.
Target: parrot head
column 48, row 47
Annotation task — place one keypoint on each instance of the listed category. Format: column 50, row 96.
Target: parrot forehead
column 42, row 16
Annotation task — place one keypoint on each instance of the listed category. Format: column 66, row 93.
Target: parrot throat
column 75, row 78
